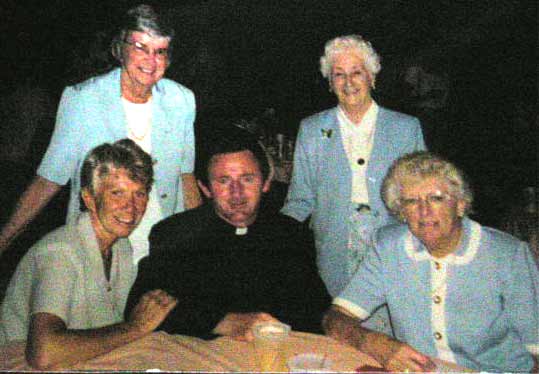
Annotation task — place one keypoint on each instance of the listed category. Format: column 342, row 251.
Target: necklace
column 139, row 136
column 139, row 119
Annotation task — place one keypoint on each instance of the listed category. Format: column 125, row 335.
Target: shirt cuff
column 296, row 214
column 357, row 311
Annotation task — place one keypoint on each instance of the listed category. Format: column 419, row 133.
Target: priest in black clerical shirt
column 231, row 263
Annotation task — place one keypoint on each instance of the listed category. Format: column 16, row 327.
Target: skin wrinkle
column 351, row 83
column 349, row 330
column 346, row 324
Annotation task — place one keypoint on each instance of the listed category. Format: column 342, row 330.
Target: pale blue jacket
column 91, row 113
column 322, row 181
column 477, row 307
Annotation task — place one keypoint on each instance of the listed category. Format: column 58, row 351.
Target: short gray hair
column 141, row 18
column 345, row 43
column 123, row 154
column 423, row 164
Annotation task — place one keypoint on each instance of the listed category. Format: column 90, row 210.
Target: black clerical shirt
column 214, row 269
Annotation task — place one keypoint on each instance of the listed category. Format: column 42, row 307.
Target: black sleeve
column 302, row 295
column 150, row 271
column 174, row 266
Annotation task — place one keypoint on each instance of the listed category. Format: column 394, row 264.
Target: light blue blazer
column 91, row 113
column 489, row 292
column 321, row 183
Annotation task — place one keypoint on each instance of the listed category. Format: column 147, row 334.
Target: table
column 165, row 352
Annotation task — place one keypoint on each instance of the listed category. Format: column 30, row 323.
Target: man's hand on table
column 238, row 325
column 152, row 309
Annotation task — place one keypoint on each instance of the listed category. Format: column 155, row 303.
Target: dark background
column 241, row 57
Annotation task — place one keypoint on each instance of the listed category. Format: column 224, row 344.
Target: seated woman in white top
column 68, row 294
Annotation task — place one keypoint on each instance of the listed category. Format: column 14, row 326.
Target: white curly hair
column 423, row 164
column 354, row 43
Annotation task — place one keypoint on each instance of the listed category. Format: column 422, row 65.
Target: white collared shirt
column 358, row 139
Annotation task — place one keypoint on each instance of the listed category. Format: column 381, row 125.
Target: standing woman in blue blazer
column 341, row 157
column 133, row 101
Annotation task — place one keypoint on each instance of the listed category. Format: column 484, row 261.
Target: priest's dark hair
column 231, row 140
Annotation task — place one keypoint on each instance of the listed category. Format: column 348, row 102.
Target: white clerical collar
column 241, row 230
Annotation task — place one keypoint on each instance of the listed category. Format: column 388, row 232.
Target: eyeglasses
column 143, row 49
column 343, row 77
column 433, row 200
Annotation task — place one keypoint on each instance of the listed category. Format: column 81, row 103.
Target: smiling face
column 117, row 206
column 432, row 214
column 144, row 62
column 235, row 185
column 351, row 82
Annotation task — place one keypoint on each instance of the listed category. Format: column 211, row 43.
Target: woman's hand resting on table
column 400, row 357
column 393, row 355
column 239, row 325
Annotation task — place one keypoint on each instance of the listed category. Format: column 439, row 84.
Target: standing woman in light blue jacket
column 341, row 157
column 133, row 101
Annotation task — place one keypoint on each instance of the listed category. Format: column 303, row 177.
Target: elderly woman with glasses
column 133, row 101
column 341, row 157
column 456, row 290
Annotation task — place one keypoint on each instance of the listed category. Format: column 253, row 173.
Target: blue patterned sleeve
column 521, row 294
column 419, row 140
column 300, row 201
column 365, row 292
column 60, row 160
column 188, row 159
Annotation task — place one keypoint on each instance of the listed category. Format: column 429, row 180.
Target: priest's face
column 236, row 185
